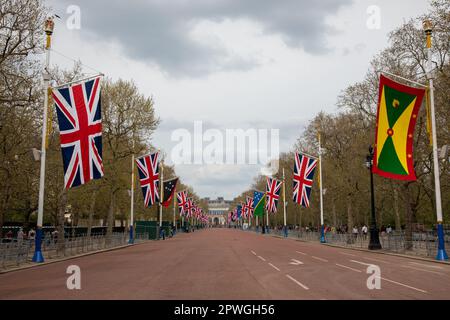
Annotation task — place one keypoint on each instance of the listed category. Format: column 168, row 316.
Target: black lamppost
column 374, row 243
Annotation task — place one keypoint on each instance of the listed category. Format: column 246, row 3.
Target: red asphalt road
column 231, row 264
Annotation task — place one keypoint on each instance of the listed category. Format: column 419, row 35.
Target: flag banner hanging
column 398, row 108
column 189, row 207
column 169, row 190
column 78, row 109
column 239, row 211
column 304, row 168
column 273, row 189
column 182, row 202
column 248, row 207
column 259, row 203
column 148, row 168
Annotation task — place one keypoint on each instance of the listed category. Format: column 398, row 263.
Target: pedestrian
column 364, row 231
column 355, row 232
column 9, row 236
column 20, row 235
column 55, row 234
column 31, row 234
column 389, row 229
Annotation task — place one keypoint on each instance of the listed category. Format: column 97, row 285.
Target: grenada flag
column 398, row 108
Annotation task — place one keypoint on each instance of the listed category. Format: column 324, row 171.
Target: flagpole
column 161, row 196
column 441, row 254
column 131, row 240
column 322, row 233
column 37, row 256
column 174, row 203
column 284, row 205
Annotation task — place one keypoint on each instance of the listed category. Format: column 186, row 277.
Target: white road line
column 295, row 262
column 341, row 265
column 348, row 254
column 321, row 259
column 426, row 265
column 253, row 252
column 363, row 263
column 297, row 282
column 392, row 281
column 419, row 269
column 404, row 285
column 262, row 258
column 274, row 267
column 373, row 259
column 301, row 253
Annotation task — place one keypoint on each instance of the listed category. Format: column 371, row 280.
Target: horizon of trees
column 127, row 116
column 347, row 134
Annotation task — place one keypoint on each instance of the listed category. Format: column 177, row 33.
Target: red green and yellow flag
column 398, row 108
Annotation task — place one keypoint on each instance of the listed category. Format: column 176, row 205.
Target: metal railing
column 423, row 243
column 15, row 252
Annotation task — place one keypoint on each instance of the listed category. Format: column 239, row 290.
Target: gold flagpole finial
column 428, row 28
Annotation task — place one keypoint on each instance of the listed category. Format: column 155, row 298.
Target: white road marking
column 301, row 253
column 321, row 259
column 297, row 282
column 253, row 252
column 419, row 269
column 295, row 262
column 379, row 260
column 392, row 281
column 348, row 254
column 426, row 265
column 262, row 258
column 341, row 265
column 404, row 285
column 274, row 267
column 363, row 263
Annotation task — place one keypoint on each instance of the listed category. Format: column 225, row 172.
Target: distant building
column 218, row 210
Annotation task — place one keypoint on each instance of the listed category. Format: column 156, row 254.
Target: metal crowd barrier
column 15, row 252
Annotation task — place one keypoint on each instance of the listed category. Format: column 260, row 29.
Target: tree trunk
column 398, row 225
column 349, row 213
column 91, row 212
column 300, row 219
column 60, row 222
column 3, row 207
column 112, row 203
column 333, row 208
column 409, row 218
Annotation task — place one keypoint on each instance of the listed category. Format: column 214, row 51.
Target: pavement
column 232, row 264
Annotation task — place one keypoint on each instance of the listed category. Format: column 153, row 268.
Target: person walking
column 364, row 231
column 20, row 235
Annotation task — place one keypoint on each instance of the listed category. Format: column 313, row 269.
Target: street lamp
column 374, row 243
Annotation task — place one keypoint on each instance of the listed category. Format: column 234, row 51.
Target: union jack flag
column 189, row 207
column 78, row 109
column 149, row 177
column 273, row 189
column 304, row 168
column 248, row 208
column 182, row 202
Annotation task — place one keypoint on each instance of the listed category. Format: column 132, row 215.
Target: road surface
column 231, row 264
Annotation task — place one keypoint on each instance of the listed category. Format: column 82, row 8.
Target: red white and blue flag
column 78, row 109
column 248, row 208
column 182, row 202
column 148, row 167
column 304, row 168
column 189, row 207
column 273, row 189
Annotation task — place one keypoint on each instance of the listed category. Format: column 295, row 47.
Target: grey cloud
column 157, row 31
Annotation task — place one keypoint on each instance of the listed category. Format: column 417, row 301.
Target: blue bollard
column 38, row 257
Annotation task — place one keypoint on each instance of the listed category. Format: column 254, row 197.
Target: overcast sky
column 230, row 63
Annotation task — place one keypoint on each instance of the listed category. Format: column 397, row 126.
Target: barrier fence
column 419, row 243
column 14, row 252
